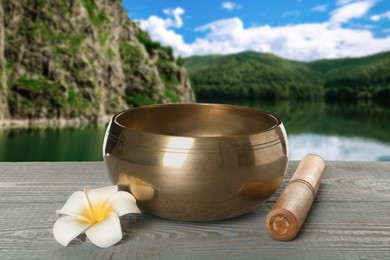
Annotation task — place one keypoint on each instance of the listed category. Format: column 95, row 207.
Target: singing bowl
column 196, row 162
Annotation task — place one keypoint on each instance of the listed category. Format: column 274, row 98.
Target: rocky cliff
column 82, row 60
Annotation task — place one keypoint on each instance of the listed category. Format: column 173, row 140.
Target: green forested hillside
column 258, row 75
column 252, row 75
column 366, row 77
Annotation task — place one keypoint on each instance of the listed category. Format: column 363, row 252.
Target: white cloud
column 176, row 13
column 300, row 42
column 378, row 17
column 158, row 29
column 351, row 11
column 230, row 6
column 308, row 41
column 320, row 8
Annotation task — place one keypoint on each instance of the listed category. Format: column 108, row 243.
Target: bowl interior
column 197, row 120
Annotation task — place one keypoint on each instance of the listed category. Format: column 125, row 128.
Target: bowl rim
column 225, row 106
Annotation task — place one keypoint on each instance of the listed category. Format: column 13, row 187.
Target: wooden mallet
column 287, row 215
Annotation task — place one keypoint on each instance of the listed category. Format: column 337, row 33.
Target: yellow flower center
column 99, row 212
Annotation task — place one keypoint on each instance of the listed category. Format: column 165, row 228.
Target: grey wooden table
column 350, row 219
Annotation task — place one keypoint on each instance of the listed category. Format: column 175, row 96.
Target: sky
column 302, row 30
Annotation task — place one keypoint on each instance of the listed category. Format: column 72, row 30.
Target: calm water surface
column 343, row 130
column 336, row 131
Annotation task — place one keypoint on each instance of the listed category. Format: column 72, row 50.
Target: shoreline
column 8, row 123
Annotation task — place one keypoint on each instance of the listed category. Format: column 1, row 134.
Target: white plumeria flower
column 95, row 212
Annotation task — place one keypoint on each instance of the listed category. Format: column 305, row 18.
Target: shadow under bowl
column 196, row 162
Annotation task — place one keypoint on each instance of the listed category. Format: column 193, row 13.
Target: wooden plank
column 349, row 219
column 323, row 234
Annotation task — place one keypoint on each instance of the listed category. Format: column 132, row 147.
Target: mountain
column 251, row 75
column 364, row 77
column 79, row 61
column 262, row 75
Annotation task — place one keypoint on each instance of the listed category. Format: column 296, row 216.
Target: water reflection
column 336, row 147
column 338, row 130
column 70, row 144
column 335, row 130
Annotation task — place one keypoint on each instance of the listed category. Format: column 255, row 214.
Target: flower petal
column 75, row 205
column 107, row 232
column 100, row 195
column 122, row 203
column 67, row 228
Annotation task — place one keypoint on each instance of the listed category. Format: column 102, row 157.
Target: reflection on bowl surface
column 197, row 162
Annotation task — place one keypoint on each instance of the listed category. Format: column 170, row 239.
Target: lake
column 348, row 131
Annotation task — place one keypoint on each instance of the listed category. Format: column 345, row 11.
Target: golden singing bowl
column 196, row 162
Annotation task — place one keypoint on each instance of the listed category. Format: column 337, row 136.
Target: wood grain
column 349, row 219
